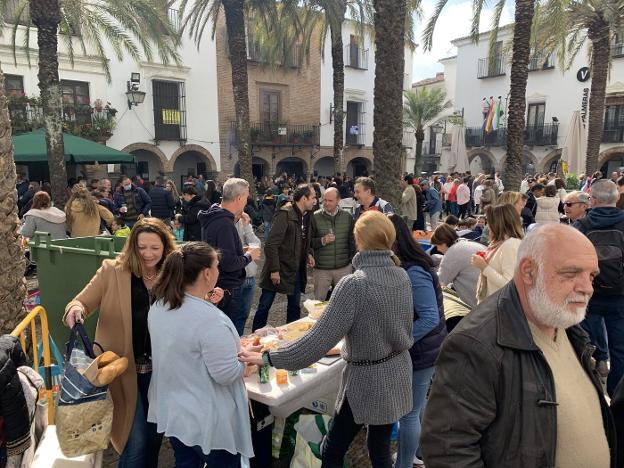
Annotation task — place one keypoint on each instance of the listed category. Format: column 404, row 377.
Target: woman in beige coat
column 84, row 213
column 122, row 290
column 498, row 263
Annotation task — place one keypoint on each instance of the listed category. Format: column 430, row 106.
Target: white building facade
column 552, row 96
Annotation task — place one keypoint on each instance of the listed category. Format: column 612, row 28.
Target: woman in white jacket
column 548, row 207
column 44, row 217
column 498, row 263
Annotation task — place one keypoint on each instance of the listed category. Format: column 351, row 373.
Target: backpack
column 609, row 244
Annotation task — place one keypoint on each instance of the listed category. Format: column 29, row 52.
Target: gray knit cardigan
column 372, row 309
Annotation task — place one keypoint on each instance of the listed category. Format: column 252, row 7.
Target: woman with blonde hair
column 84, row 214
column 372, row 310
column 122, row 291
column 498, row 263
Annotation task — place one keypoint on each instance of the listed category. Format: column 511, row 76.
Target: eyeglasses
column 569, row 204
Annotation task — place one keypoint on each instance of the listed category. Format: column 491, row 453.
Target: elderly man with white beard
column 514, row 386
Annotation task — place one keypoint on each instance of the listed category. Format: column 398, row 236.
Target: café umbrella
column 31, row 147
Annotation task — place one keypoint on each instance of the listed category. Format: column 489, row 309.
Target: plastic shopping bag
column 311, row 429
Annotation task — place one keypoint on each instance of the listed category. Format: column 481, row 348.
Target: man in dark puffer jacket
column 13, row 409
column 162, row 201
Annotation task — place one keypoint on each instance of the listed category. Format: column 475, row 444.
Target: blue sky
column 454, row 22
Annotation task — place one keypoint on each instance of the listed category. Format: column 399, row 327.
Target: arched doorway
column 481, row 162
column 551, row 161
column 612, row 161
column 148, row 165
column 528, row 163
column 292, row 166
column 259, row 168
column 324, row 167
column 359, row 167
column 191, row 163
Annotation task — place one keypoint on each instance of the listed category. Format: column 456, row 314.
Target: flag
column 497, row 113
column 490, row 117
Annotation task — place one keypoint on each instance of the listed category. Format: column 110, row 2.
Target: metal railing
column 534, row 135
column 617, row 50
column 355, row 139
column 613, row 134
column 356, row 57
column 256, row 52
column 491, row 68
column 541, row 61
column 174, row 19
column 274, row 133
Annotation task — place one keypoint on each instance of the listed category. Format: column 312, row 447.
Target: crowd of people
column 479, row 342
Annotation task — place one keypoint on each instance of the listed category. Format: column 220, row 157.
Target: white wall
column 359, row 85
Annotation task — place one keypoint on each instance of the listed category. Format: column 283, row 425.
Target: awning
column 31, row 147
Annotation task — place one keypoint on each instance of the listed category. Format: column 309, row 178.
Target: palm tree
column 564, row 26
column 421, row 109
column 129, row 27
column 12, row 285
column 512, row 173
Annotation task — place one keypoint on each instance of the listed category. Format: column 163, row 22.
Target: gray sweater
column 455, row 268
column 50, row 220
column 372, row 309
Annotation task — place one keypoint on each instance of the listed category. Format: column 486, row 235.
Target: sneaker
column 418, row 463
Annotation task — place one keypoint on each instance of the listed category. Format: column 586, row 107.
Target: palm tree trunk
column 418, row 156
column 598, row 33
column 235, row 25
column 388, row 101
column 512, row 174
column 46, row 17
column 12, row 285
column 338, row 76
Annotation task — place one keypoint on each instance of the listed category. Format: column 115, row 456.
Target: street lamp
column 135, row 97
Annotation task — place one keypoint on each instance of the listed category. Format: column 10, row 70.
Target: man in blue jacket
column 218, row 228
column 132, row 202
column 162, row 201
column 433, row 205
column 604, row 226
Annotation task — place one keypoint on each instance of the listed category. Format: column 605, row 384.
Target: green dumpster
column 64, row 267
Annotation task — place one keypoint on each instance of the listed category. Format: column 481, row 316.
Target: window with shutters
column 169, row 110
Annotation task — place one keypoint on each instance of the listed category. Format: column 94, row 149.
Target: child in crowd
column 178, row 227
column 119, row 228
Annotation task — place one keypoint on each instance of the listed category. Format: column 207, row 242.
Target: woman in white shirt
column 197, row 395
column 498, row 263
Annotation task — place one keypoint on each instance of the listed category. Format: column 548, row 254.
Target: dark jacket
column 432, row 201
column 338, row 254
column 13, row 408
column 489, row 402
column 22, row 187
column 219, row 230
column 425, row 351
column 268, row 208
column 190, row 211
column 162, row 203
column 531, row 203
column 283, row 250
column 601, row 218
column 142, row 201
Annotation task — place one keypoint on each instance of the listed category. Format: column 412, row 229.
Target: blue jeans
column 611, row 310
column 247, row 292
column 453, row 208
column 293, row 310
column 193, row 457
column 143, row 444
column 409, row 425
column 267, row 229
column 230, row 305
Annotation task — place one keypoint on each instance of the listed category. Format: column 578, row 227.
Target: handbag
column 84, row 413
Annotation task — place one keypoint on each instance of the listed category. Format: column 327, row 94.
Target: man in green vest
column 331, row 237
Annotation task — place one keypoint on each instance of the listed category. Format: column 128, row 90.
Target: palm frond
column 427, row 35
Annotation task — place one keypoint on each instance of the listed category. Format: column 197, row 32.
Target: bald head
column 331, row 199
column 555, row 269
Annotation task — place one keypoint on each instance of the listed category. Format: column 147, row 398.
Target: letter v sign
column 583, row 74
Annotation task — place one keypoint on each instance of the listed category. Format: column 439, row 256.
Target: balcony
column 541, row 62
column 356, row 57
column 279, row 134
column 491, row 68
column 534, row 135
column 617, row 50
column 613, row 134
column 257, row 53
column 95, row 122
column 174, row 19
